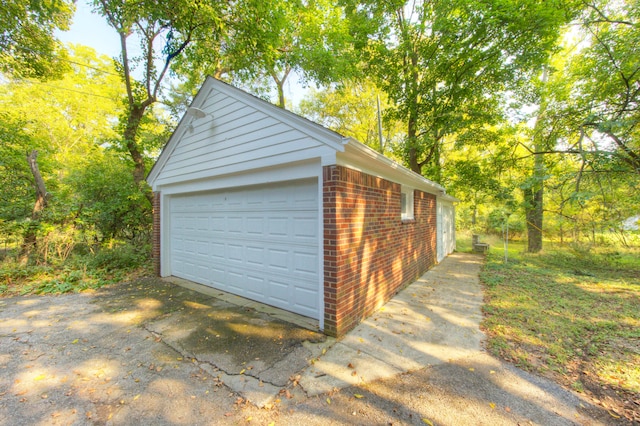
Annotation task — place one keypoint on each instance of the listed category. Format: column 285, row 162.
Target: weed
column 77, row 272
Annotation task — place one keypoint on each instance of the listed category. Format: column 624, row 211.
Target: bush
column 123, row 257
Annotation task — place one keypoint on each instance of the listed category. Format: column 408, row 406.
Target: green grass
column 569, row 313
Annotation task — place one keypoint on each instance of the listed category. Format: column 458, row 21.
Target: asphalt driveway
column 153, row 352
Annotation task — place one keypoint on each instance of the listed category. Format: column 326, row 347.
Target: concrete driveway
column 153, row 352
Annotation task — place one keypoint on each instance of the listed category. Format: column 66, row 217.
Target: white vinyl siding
column 235, row 137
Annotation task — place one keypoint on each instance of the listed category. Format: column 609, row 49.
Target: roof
column 346, row 151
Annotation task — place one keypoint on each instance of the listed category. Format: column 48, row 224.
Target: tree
column 446, row 64
column 351, row 109
column 41, row 196
column 310, row 39
column 28, row 47
column 69, row 122
column 587, row 107
column 178, row 34
column 607, row 73
column 271, row 40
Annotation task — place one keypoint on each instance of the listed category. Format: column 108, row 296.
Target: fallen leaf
column 328, row 401
column 472, row 369
column 492, row 405
column 427, row 422
column 615, row 416
column 242, row 371
column 350, row 365
column 357, row 395
column 39, row 377
column 507, row 409
column 75, row 341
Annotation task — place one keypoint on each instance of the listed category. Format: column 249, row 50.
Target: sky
column 92, row 30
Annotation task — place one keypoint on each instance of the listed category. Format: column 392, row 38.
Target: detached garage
column 257, row 201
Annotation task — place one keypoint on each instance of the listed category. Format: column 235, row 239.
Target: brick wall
column 369, row 252
column 155, row 252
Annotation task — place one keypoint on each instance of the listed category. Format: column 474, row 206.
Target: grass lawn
column 570, row 314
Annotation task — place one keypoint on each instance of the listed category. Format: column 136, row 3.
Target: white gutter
column 372, row 162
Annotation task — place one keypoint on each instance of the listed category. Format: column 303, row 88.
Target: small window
column 406, row 203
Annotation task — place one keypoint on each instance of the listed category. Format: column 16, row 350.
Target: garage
column 259, row 242
column 254, row 200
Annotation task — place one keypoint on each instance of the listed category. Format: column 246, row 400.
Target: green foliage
column 81, row 270
column 351, row 110
column 92, row 196
column 109, row 199
column 28, row 47
column 446, row 65
column 120, row 257
column 16, row 187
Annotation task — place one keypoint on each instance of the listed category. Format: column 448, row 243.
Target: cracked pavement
column 153, row 352
column 143, row 352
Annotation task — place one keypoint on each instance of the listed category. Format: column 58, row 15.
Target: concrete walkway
column 432, row 321
column 435, row 323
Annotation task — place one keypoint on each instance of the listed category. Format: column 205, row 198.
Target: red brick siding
column 155, row 252
column 369, row 252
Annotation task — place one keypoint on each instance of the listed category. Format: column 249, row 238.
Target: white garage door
column 259, row 242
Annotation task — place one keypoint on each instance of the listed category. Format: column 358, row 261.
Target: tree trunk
column 130, row 136
column 280, row 84
column 534, row 213
column 534, row 196
column 412, row 123
column 30, row 235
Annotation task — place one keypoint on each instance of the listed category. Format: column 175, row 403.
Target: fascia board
column 358, row 155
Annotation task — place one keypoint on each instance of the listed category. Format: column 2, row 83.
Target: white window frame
column 406, row 203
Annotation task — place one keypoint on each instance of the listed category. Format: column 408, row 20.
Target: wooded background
column 525, row 110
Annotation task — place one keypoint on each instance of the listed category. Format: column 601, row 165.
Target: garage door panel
column 217, row 251
column 302, row 295
column 259, row 242
column 255, row 286
column 278, row 260
column 216, row 276
column 278, row 291
column 304, row 228
column 255, row 256
column 305, row 264
column 255, row 226
column 277, row 227
column 235, row 225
